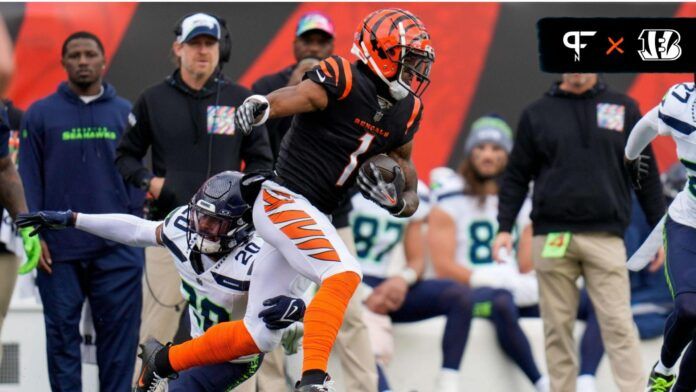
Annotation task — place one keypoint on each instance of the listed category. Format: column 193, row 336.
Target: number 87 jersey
column 321, row 152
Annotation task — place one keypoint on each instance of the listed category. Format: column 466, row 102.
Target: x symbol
column 615, row 45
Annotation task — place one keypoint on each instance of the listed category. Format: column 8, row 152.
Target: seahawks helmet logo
column 660, row 45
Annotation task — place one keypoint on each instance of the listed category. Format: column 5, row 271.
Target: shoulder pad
column 675, row 100
column 444, row 181
column 335, row 74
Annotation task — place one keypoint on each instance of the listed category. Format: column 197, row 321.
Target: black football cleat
column 326, row 386
column 149, row 380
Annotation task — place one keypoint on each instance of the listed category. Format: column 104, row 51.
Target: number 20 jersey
column 220, row 292
column 320, row 154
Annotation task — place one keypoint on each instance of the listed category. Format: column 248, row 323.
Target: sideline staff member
column 187, row 122
column 570, row 143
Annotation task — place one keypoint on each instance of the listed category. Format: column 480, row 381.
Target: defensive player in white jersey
column 214, row 248
column 402, row 295
column 462, row 226
column 674, row 116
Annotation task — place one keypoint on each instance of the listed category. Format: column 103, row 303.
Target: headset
column 225, row 36
column 225, row 53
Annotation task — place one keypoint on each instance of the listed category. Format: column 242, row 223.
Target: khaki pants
column 600, row 258
column 352, row 347
column 161, row 278
column 8, row 276
column 271, row 375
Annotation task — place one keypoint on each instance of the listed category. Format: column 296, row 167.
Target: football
column 384, row 164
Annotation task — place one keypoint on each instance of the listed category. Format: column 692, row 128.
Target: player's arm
column 642, row 134
column 524, row 250
column 308, row 96
column 442, row 242
column 6, row 58
column 645, row 130
column 414, row 247
column 123, row 228
column 402, row 156
column 11, row 190
column 330, row 80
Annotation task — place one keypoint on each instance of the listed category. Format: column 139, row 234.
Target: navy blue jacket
column 66, row 161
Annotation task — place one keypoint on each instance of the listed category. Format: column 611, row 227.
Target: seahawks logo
column 660, row 45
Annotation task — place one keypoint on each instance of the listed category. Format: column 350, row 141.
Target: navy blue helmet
column 218, row 217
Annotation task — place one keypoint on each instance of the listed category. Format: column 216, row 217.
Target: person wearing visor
column 314, row 42
column 186, row 115
column 213, row 247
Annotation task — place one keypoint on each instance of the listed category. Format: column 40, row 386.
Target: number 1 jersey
column 320, row 154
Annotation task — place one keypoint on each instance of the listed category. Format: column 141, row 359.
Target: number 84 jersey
column 475, row 217
column 219, row 292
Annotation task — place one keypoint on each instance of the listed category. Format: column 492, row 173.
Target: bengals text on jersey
column 319, row 156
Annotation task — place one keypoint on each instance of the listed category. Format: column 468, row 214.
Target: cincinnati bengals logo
column 660, row 45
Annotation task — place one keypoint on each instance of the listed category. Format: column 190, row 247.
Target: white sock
column 586, row 383
column 448, row 380
column 662, row 369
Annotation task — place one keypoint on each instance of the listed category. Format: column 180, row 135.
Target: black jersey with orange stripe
column 319, row 156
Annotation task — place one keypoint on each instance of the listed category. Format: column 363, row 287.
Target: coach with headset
column 186, row 120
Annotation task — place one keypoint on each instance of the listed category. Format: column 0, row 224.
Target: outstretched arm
column 123, row 228
column 126, row 229
column 305, row 97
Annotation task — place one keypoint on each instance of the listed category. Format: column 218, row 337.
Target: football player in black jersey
column 344, row 114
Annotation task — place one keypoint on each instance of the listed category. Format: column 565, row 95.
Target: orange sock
column 223, row 342
column 323, row 318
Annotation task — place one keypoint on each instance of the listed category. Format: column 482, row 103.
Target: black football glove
column 282, row 311
column 246, row 113
column 386, row 194
column 637, row 169
column 54, row 220
column 250, row 186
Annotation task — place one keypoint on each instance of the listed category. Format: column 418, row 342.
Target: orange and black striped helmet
column 396, row 46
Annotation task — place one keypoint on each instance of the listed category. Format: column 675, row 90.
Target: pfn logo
column 659, row 45
column 571, row 40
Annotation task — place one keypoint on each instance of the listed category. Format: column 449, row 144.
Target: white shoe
column 586, row 383
column 543, row 384
column 447, row 381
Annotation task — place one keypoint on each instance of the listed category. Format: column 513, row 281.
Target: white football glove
column 246, row 113
column 292, row 338
column 386, row 194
